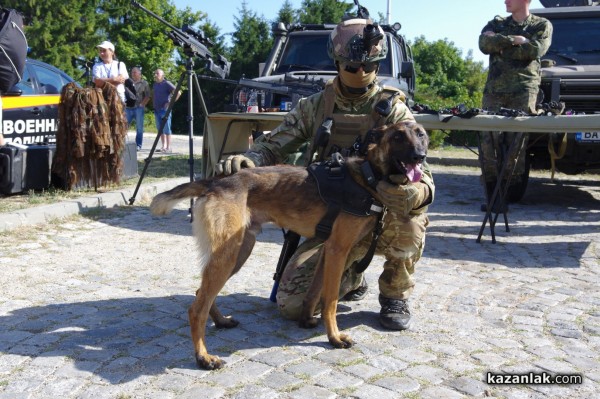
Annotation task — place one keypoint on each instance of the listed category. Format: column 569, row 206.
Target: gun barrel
column 141, row 7
column 253, row 84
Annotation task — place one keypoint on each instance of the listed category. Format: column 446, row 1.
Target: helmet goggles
column 367, row 67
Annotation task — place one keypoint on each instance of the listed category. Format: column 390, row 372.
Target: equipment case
column 25, row 167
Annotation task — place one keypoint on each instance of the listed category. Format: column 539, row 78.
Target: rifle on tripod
column 194, row 44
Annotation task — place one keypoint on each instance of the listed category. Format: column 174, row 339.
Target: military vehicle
column 299, row 65
column 570, row 74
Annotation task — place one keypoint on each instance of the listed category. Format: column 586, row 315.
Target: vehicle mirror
column 49, row 89
column 407, row 69
column 14, row 91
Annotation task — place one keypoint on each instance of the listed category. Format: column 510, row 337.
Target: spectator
column 162, row 93
column 136, row 112
column 109, row 70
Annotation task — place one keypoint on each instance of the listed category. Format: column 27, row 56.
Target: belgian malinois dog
column 229, row 213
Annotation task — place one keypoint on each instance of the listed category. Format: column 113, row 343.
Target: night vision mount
column 194, row 44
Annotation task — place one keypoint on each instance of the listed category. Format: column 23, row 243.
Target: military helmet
column 357, row 40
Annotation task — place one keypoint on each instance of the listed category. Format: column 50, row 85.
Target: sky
column 459, row 21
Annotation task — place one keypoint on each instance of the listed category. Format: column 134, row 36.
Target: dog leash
column 361, row 266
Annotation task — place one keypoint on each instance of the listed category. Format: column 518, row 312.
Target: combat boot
column 394, row 314
column 358, row 293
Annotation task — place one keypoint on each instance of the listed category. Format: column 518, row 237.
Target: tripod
column 194, row 44
column 192, row 81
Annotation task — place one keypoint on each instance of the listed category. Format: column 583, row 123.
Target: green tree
column 252, row 43
column 445, row 79
column 323, row 11
column 286, row 13
column 142, row 39
column 57, row 30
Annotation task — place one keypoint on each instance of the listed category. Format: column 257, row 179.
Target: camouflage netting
column 91, row 136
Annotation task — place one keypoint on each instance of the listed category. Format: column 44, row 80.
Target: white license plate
column 588, row 137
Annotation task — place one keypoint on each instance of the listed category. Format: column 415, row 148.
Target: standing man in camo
column 349, row 100
column 515, row 45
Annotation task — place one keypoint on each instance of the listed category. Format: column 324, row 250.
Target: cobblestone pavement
column 96, row 307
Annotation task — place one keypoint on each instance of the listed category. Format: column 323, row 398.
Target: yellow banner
column 11, row 102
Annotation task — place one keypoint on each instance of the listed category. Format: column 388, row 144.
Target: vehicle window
column 576, row 35
column 306, row 51
column 49, row 81
column 311, row 51
column 385, row 67
column 399, row 56
column 26, row 84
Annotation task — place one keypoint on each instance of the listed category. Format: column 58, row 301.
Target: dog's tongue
column 414, row 173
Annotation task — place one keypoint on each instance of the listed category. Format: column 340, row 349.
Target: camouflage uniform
column 403, row 239
column 514, row 78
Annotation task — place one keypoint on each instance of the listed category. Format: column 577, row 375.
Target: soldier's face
column 515, row 5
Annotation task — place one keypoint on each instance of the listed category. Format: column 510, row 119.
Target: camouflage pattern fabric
column 346, row 42
column 401, row 243
column 514, row 77
column 403, row 239
column 513, row 69
column 491, row 143
column 300, row 124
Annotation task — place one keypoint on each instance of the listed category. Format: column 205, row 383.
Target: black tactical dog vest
column 340, row 192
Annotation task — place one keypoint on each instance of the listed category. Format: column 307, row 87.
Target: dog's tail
column 163, row 203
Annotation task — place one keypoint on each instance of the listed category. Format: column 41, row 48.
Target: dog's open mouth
column 413, row 172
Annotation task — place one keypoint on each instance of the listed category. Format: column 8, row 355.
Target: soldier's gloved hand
column 233, row 164
column 401, row 197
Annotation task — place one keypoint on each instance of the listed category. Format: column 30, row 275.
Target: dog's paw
column 310, row 322
column 209, row 362
column 342, row 342
column 226, row 322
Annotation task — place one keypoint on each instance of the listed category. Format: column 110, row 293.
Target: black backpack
column 13, row 49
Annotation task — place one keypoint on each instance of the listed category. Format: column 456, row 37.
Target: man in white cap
column 110, row 70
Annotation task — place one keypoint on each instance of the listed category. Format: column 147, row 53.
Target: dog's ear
column 378, row 133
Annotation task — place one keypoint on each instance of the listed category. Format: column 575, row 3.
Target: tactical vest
column 347, row 127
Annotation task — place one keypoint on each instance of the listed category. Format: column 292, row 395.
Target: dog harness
column 336, row 187
column 341, row 192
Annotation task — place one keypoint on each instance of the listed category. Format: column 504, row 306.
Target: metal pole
column 389, row 10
